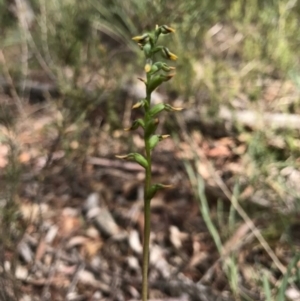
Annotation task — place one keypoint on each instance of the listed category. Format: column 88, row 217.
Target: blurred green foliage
column 229, row 51
column 264, row 33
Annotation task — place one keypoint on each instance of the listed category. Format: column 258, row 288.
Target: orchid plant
column 157, row 72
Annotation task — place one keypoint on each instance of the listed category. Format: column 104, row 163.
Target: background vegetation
column 237, row 55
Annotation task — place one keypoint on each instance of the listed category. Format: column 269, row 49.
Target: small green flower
column 138, row 158
column 151, row 127
column 162, row 107
column 167, row 68
column 165, row 29
column 153, row 141
column 136, row 124
column 139, row 104
column 154, row 188
column 168, row 54
column 142, row 40
column 159, row 66
column 147, row 50
column 157, row 80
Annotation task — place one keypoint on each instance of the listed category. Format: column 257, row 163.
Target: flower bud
column 147, row 50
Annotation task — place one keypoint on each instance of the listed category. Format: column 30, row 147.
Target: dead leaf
column 68, row 224
column 219, row 151
column 24, row 157
column 177, row 237
column 32, row 212
column 92, row 247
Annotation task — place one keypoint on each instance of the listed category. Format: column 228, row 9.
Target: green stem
column 146, row 213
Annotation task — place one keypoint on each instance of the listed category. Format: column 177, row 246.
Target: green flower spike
column 157, row 72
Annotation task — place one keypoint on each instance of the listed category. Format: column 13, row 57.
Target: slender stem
column 146, row 213
column 146, row 245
